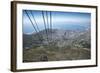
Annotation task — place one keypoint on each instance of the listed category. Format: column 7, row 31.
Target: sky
column 33, row 20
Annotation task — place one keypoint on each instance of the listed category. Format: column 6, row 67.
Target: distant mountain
column 58, row 36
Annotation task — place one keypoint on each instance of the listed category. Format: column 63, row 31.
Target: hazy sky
column 60, row 20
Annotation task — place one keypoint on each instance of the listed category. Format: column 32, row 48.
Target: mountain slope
column 57, row 45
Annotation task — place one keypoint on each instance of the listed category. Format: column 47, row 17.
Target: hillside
column 60, row 45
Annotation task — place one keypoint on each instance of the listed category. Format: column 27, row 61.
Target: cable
column 44, row 24
column 33, row 25
column 35, row 21
column 47, row 24
column 51, row 24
